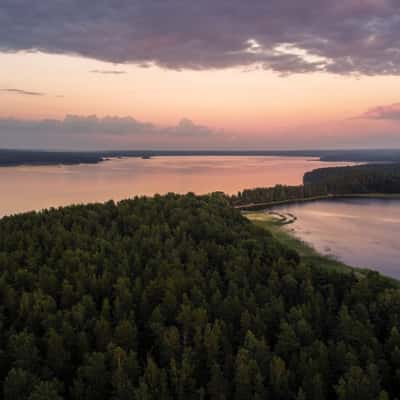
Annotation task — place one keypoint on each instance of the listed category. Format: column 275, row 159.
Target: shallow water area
column 359, row 232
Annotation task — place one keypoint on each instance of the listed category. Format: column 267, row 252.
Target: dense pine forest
column 181, row 297
column 360, row 179
column 364, row 178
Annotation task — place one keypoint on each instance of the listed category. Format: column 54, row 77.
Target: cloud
column 389, row 112
column 186, row 126
column 77, row 132
column 344, row 36
column 109, row 126
column 22, row 92
column 108, row 72
column 92, row 132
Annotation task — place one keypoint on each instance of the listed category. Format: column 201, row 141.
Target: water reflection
column 359, row 232
column 29, row 188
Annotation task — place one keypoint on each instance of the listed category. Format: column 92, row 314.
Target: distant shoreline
column 14, row 158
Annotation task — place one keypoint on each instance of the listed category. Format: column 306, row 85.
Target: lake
column 359, row 232
column 28, row 188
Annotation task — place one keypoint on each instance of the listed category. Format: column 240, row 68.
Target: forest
column 359, row 179
column 181, row 297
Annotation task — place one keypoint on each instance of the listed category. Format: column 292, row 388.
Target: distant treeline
column 37, row 157
column 380, row 178
column 10, row 158
column 371, row 156
column 361, row 179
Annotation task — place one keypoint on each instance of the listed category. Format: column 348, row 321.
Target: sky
column 174, row 74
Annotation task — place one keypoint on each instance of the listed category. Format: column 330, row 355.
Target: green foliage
column 323, row 182
column 180, row 297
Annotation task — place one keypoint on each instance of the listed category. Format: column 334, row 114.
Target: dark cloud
column 343, row 36
column 93, row 125
column 389, row 112
column 107, row 72
column 22, row 92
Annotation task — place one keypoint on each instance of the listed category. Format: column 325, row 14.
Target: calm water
column 31, row 188
column 359, row 232
column 362, row 232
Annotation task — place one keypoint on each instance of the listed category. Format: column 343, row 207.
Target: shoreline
column 269, row 204
column 276, row 226
column 32, row 157
column 272, row 222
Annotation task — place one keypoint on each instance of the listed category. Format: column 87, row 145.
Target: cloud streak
column 343, row 37
column 22, row 92
column 108, row 72
column 389, row 112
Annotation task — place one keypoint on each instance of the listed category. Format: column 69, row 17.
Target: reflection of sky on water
column 27, row 188
column 360, row 232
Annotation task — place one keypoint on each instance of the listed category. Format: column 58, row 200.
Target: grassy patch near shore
column 308, row 254
column 277, row 225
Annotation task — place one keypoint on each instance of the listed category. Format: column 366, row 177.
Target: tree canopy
column 180, row 297
column 359, row 179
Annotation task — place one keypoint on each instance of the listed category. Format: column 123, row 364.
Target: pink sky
column 270, row 94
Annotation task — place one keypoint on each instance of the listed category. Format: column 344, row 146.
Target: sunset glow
column 242, row 104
